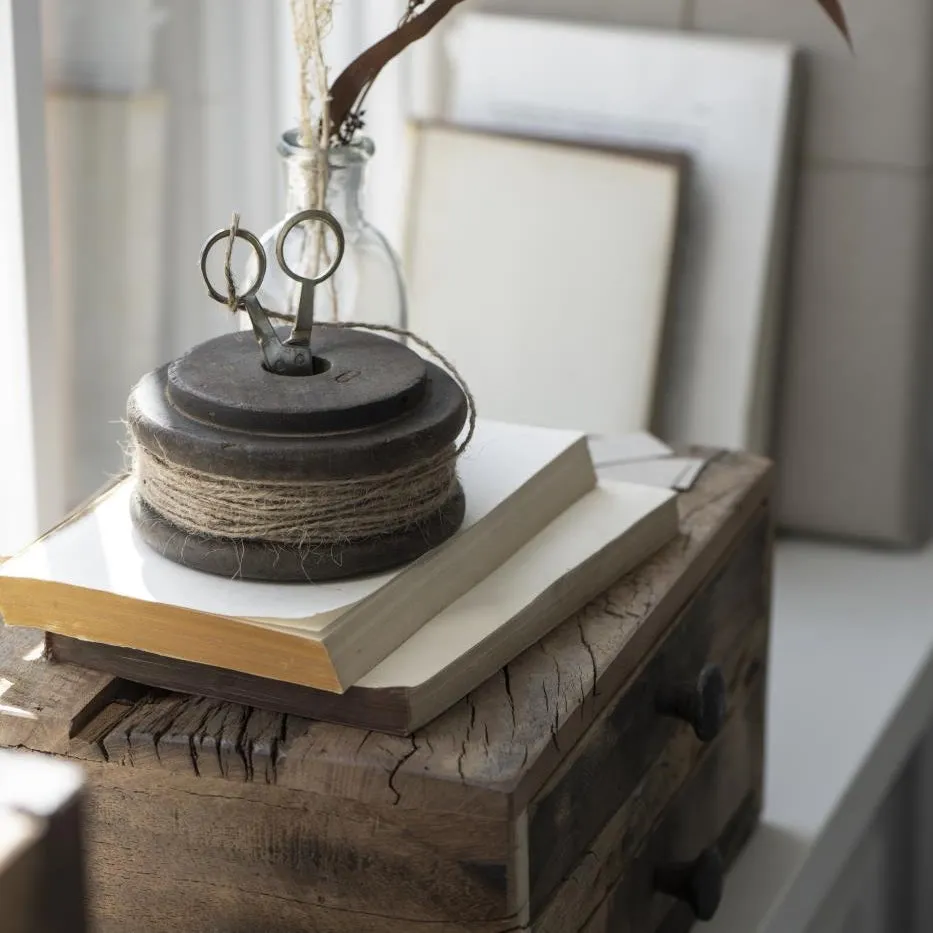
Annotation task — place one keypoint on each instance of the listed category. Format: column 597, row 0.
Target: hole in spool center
column 319, row 365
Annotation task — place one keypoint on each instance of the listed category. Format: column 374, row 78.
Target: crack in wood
column 394, row 771
column 196, row 736
column 556, row 723
column 508, row 693
column 589, row 651
column 239, row 744
column 359, row 747
column 471, row 725
column 460, row 757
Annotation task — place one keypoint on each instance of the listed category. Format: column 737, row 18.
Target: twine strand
column 421, row 342
column 311, row 21
column 233, row 301
column 443, row 360
column 233, row 304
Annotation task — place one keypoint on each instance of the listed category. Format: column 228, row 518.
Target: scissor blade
column 262, row 329
column 301, row 331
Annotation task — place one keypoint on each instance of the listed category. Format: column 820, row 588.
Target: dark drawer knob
column 702, row 704
column 697, row 883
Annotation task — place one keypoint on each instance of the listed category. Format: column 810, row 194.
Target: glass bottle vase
column 369, row 285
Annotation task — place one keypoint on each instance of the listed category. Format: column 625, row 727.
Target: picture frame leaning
column 547, row 268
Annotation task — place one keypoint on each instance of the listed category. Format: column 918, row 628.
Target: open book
column 94, row 579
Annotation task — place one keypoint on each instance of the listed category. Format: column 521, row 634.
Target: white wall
column 31, row 422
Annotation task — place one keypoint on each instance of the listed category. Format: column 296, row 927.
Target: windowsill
column 850, row 696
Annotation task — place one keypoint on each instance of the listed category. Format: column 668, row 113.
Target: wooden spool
column 371, row 406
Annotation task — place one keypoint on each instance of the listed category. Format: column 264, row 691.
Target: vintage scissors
column 292, row 356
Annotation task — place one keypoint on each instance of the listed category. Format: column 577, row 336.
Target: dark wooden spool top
column 372, row 406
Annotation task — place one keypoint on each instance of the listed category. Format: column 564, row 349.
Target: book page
column 599, row 518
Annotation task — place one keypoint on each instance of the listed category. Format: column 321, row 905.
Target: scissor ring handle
column 325, row 218
column 253, row 241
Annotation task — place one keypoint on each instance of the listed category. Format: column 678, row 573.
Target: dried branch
column 354, row 82
column 360, row 73
column 833, row 9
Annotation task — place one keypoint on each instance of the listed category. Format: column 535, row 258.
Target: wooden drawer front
column 717, row 808
column 727, row 624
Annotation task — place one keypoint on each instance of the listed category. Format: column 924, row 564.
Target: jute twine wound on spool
column 306, row 514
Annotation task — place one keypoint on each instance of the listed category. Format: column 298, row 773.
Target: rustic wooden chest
column 601, row 782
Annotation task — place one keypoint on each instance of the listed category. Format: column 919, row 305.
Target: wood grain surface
column 232, row 853
column 242, row 856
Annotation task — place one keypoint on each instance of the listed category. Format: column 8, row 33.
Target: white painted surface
column 104, row 46
column 107, row 184
column 385, row 188
column 729, row 104
column 31, row 402
column 850, row 697
column 149, row 191
column 223, row 68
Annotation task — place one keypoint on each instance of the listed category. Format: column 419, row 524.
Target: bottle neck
column 345, row 179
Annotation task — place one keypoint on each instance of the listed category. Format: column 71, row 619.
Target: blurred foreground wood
column 41, row 862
